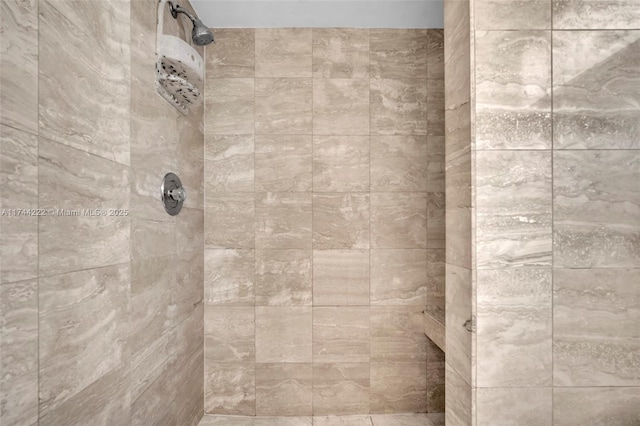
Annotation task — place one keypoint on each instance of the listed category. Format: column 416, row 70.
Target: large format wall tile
column 229, row 334
column 341, row 221
column 83, row 327
column 340, row 53
column 283, row 106
column 230, row 389
column 341, row 334
column 509, row 15
column 399, row 163
column 18, row 190
column 398, row 106
column 283, row 220
column 514, row 406
column 397, row 334
column 283, row 278
column 341, row 388
column 398, row 220
column 284, row 389
column 596, row 87
column 513, row 214
column 231, row 102
column 72, row 180
column 84, row 83
column 283, row 52
column 340, row 163
column 398, row 277
column 435, row 54
column 596, row 406
column 229, row 160
column 458, row 398
column 234, row 53
column 340, row 277
column 283, row 334
column 340, row 106
column 436, row 220
column 283, row 163
column 398, row 53
column 398, row 387
column 457, row 58
column 596, row 209
column 458, row 311
column 514, row 328
column 19, row 64
column 595, row 327
column 435, row 107
column 513, row 89
column 19, row 347
column 595, row 14
column 229, row 220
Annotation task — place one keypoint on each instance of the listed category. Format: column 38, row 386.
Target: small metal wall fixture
column 173, row 194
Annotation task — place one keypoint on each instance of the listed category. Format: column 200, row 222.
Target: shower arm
column 175, row 9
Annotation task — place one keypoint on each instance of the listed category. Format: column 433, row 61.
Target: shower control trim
column 172, row 193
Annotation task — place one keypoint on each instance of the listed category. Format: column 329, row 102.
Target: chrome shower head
column 201, row 35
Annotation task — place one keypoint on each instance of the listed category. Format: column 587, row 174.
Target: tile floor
column 433, row 419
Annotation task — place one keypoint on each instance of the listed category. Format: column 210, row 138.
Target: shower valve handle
column 178, row 194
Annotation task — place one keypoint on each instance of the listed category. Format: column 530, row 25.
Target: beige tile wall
column 324, row 233
column 101, row 318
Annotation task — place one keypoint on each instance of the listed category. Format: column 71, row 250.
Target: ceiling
column 320, row 13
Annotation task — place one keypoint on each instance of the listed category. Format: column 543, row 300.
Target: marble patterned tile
column 340, row 53
column 435, row 379
column 341, row 388
column 436, row 163
column 231, row 101
column 188, row 292
column 398, row 387
column 283, row 52
column 283, row 334
column 340, row 106
column 190, row 230
column 596, row 209
column 234, row 53
column 459, row 236
column 230, row 388
column 284, row 389
column 283, row 220
column 458, row 310
column 591, row 406
column 283, row 106
column 18, row 190
column 397, row 335
column 229, row 163
column 340, row 277
column 495, row 15
column 458, row 398
column 19, row 65
column 398, row 220
column 341, row 334
column 398, row 107
column 341, row 221
column 398, row 53
column 513, row 209
column 514, row 328
column 283, row 278
column 19, row 347
column 150, row 238
column 436, row 220
column 72, row 242
column 229, row 277
column 435, row 54
column 436, row 279
column 190, row 156
column 595, row 14
column 457, row 55
column 96, row 64
column 283, row 421
column 596, row 88
column 229, row 220
column 596, row 317
column 457, row 156
column 401, row 419
column 105, row 401
column 341, row 163
column 530, row 406
column 75, row 350
column 229, row 334
column 513, row 89
column 435, row 107
column 214, row 420
column 398, row 163
column 398, row 277
column 284, row 163
column 353, row 420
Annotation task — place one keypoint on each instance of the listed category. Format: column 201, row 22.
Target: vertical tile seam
column 255, row 311
column 313, row 378
column 370, row 217
column 38, row 219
